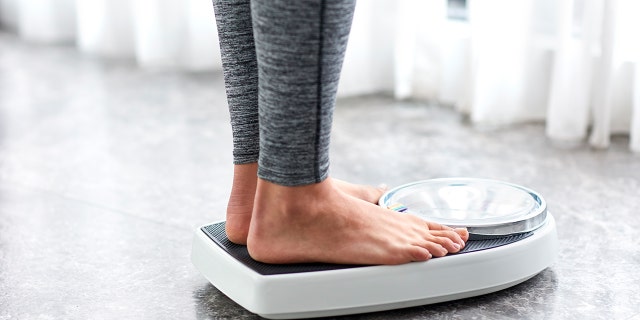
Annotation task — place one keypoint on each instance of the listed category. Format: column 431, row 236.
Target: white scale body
column 286, row 292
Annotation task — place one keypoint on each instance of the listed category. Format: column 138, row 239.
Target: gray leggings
column 282, row 62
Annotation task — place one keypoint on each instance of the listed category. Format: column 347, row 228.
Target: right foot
column 321, row 223
column 366, row 193
column 243, row 192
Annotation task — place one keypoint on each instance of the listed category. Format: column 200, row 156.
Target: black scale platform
column 217, row 234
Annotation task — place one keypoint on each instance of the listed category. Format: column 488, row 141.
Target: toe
column 463, row 233
column 449, row 239
column 436, row 249
column 420, row 254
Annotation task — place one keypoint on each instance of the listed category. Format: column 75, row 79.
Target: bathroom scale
column 512, row 238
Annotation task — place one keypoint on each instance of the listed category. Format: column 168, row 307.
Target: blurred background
column 115, row 145
column 570, row 63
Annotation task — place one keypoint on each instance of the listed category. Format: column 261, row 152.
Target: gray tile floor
column 106, row 170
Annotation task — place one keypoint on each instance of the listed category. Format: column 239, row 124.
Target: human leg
column 299, row 213
column 300, row 47
column 235, row 30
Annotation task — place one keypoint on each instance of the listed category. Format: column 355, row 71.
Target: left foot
column 240, row 204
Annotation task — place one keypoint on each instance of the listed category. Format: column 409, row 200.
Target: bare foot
column 366, row 193
column 320, row 223
column 243, row 192
column 240, row 203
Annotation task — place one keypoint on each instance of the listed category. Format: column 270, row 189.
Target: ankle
column 240, row 205
column 273, row 197
column 244, row 174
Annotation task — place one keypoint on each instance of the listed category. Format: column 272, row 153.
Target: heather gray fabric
column 235, row 31
column 299, row 47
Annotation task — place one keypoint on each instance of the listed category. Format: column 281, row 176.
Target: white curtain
column 571, row 63
column 177, row 34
